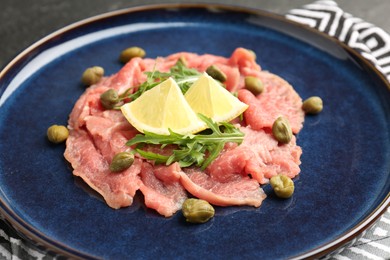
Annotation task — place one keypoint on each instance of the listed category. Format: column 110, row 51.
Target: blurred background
column 24, row 22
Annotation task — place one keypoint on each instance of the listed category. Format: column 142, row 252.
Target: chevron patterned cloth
column 372, row 42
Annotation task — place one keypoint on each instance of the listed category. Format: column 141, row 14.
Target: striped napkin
column 372, row 42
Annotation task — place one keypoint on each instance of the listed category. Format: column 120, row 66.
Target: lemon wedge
column 208, row 97
column 161, row 108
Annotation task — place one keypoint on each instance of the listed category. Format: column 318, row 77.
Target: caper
column 197, row 210
column 216, row 73
column 283, row 186
column 109, row 98
column 92, row 75
column 121, row 161
column 130, row 53
column 281, row 130
column 312, row 105
column 57, row 133
column 254, row 85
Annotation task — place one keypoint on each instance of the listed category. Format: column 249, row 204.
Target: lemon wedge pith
column 208, row 97
column 161, row 108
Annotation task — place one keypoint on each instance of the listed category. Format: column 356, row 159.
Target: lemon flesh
column 208, row 97
column 161, row 108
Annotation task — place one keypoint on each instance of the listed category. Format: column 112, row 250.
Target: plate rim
column 36, row 237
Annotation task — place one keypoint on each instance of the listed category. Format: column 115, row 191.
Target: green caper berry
column 216, row 73
column 197, row 210
column 92, row 75
column 57, row 133
column 254, row 85
column 132, row 52
column 283, row 186
column 109, row 98
column 312, row 105
column 121, row 161
column 281, row 130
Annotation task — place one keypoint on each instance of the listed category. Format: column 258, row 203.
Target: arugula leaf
column 200, row 149
column 158, row 158
column 183, row 76
column 152, row 138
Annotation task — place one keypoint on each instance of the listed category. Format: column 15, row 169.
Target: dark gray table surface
column 24, row 22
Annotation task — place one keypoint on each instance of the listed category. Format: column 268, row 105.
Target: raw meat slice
column 132, row 74
column 259, row 156
column 109, row 133
column 96, row 135
column 118, row 189
column 243, row 58
column 88, row 104
column 240, row 191
column 162, row 189
column 278, row 99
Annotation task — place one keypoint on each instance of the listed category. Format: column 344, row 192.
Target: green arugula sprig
column 200, row 149
column 183, row 76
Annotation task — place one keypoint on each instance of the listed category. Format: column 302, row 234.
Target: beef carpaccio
column 233, row 178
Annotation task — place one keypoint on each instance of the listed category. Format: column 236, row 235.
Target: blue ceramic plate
column 342, row 189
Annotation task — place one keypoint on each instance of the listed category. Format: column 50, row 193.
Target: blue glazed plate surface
column 344, row 182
